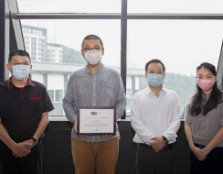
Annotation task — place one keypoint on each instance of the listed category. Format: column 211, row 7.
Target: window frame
column 123, row 17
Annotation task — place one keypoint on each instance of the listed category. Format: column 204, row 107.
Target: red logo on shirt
column 36, row 98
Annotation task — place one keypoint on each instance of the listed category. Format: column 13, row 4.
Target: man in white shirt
column 155, row 114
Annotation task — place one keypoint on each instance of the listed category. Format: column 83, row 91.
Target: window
column 56, row 32
column 69, row 6
column 175, row 6
column 181, row 43
column 60, row 52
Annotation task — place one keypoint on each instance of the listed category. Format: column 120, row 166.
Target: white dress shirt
column 153, row 116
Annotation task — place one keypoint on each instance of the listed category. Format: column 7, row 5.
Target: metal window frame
column 123, row 16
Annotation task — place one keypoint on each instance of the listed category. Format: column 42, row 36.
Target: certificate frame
column 96, row 121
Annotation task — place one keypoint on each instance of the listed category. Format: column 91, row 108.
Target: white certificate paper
column 96, row 121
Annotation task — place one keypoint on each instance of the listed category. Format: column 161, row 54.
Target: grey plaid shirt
column 102, row 89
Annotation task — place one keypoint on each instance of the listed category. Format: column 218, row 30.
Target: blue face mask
column 20, row 72
column 155, row 80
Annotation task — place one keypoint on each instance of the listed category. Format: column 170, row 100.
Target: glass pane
column 54, row 46
column 37, row 77
column 58, row 110
column 181, row 44
column 51, row 94
column 69, row 6
column 59, row 95
column 60, row 40
column 175, row 6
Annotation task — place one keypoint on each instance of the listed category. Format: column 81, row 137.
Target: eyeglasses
column 94, row 49
column 19, row 63
column 154, row 72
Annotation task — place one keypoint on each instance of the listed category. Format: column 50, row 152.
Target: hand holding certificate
column 96, row 121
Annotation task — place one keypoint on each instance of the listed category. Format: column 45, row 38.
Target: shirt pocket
column 35, row 102
column 106, row 93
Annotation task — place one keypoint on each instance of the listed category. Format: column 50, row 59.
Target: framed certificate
column 96, row 121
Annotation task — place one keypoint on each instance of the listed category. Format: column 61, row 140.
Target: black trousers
column 213, row 163
column 150, row 162
column 31, row 164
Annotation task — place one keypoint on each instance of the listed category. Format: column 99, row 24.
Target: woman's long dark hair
column 199, row 103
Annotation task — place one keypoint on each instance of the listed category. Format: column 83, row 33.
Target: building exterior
column 36, row 42
column 54, row 53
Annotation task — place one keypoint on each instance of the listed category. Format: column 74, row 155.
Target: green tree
column 72, row 56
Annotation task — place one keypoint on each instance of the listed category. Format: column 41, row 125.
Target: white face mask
column 93, row 57
column 20, row 72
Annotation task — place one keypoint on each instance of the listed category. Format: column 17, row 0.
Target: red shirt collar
column 10, row 85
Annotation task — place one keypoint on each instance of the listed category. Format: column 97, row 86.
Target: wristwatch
column 165, row 140
column 34, row 140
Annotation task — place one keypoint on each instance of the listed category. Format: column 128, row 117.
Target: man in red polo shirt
column 24, row 108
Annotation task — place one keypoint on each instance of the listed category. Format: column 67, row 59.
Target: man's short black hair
column 92, row 37
column 154, row 61
column 18, row 53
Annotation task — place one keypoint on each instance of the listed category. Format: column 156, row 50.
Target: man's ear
column 103, row 51
column 8, row 66
column 82, row 53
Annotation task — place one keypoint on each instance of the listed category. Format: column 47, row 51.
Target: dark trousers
column 31, row 164
column 148, row 161
column 212, row 164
